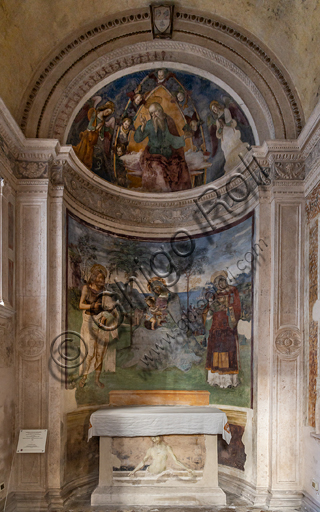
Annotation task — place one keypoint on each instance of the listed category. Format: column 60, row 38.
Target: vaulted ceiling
column 34, row 31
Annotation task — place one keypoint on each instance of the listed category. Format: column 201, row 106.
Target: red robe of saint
column 223, row 344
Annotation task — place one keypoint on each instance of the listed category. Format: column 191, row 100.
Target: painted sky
column 222, row 250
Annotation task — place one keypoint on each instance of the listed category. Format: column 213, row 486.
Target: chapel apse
column 160, row 130
column 194, row 335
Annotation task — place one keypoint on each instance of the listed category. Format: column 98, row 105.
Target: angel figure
column 223, row 127
column 153, row 313
column 100, row 128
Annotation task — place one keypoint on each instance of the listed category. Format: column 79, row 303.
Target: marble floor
column 234, row 504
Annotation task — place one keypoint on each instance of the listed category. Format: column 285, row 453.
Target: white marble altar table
column 157, row 421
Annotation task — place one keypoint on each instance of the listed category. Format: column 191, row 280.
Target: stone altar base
column 118, row 490
column 155, row 495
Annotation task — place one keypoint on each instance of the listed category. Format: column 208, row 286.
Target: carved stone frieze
column 291, row 170
column 31, row 341
column 122, row 207
column 129, row 211
column 288, row 343
column 32, row 169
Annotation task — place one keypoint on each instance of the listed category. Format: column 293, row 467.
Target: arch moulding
column 211, row 44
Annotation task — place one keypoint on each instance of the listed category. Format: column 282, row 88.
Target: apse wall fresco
column 188, row 331
column 160, row 131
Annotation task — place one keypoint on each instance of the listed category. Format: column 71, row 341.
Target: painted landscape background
column 183, row 366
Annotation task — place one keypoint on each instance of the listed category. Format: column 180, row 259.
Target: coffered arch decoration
column 212, row 44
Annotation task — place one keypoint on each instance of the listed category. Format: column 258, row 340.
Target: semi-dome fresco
column 160, row 130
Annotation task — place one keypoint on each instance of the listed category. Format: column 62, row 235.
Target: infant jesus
column 108, row 317
column 154, row 312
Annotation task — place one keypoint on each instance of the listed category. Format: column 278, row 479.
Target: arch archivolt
column 172, row 54
column 227, row 53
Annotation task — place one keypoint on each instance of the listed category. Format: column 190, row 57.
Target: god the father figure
column 163, row 164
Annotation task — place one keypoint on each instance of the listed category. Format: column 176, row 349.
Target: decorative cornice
column 135, row 210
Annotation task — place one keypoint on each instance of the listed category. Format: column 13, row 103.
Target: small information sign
column 32, row 441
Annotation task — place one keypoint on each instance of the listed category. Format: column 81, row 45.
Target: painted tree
column 192, row 266
column 83, row 255
column 127, row 256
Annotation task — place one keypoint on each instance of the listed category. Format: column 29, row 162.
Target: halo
column 153, row 99
column 102, row 269
column 216, row 104
column 219, row 273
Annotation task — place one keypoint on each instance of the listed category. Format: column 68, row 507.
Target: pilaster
column 262, row 349
column 286, row 335
column 56, row 305
column 31, row 328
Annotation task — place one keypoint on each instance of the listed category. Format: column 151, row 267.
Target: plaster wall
column 29, row 31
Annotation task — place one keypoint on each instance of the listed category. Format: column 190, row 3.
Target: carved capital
column 288, row 342
column 291, row 170
column 32, row 170
column 261, row 168
column 56, row 173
